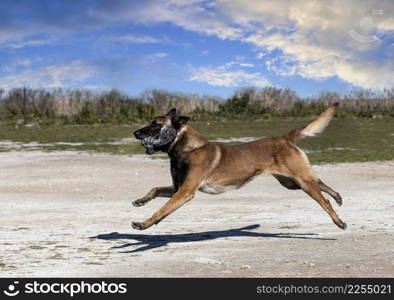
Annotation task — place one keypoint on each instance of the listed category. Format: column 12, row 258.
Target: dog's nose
column 137, row 134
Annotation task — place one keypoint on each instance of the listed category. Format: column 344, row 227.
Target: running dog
column 197, row 164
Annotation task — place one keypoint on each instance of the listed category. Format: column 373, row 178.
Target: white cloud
column 309, row 38
column 373, row 75
column 105, row 73
column 194, row 15
column 18, row 62
column 227, row 77
column 246, row 65
column 160, row 54
column 27, row 43
column 24, row 62
column 138, row 39
column 235, row 63
column 50, row 76
column 387, row 24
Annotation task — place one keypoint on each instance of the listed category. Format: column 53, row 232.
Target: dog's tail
column 314, row 127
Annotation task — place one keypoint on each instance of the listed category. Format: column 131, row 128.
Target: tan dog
column 197, row 164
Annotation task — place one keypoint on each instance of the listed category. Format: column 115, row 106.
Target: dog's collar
column 178, row 135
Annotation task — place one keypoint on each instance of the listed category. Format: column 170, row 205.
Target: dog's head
column 161, row 131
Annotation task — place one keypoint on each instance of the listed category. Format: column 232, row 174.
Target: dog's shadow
column 153, row 241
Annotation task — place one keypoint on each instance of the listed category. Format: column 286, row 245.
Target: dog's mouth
column 150, row 151
column 149, row 144
column 165, row 137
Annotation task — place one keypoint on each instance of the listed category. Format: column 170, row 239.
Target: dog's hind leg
column 163, row 191
column 312, row 188
column 323, row 187
column 296, row 166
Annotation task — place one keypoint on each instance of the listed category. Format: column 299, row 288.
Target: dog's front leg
column 162, row 191
column 183, row 195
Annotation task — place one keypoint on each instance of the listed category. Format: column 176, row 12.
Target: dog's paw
column 338, row 199
column 139, row 202
column 139, row 225
column 343, row 226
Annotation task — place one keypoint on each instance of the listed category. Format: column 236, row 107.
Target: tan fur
column 215, row 167
column 316, row 126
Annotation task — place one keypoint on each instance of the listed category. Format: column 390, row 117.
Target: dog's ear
column 178, row 121
column 172, row 113
column 183, row 119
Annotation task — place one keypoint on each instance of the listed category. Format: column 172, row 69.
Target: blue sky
column 199, row 46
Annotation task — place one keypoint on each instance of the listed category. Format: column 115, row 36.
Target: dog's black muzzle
column 154, row 140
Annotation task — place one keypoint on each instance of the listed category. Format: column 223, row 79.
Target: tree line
column 86, row 107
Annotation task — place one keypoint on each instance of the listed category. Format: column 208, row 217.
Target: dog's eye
column 155, row 125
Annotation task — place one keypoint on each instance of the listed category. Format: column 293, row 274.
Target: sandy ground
column 68, row 214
